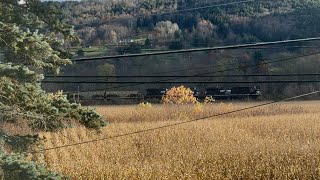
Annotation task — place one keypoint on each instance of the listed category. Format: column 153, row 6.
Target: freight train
column 154, row 94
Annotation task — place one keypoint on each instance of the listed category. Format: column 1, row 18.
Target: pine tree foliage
column 31, row 39
column 16, row 167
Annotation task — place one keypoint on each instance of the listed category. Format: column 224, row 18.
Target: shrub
column 144, row 105
column 179, row 95
column 90, row 118
column 208, row 100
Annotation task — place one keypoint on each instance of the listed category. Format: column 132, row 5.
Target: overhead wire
column 180, row 82
column 194, row 67
column 207, row 73
column 172, row 125
column 198, row 49
column 112, row 50
column 146, row 34
column 192, row 50
column 183, row 10
column 203, row 7
column 183, row 76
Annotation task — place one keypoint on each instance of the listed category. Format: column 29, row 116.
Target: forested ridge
column 126, row 27
column 108, row 22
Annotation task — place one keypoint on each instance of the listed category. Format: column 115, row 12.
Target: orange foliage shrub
column 179, row 95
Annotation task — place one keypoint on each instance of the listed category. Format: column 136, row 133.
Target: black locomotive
column 233, row 93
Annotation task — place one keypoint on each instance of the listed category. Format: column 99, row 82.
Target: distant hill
column 105, row 22
column 126, row 26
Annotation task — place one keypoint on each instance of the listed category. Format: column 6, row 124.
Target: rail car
column 155, row 93
column 107, row 97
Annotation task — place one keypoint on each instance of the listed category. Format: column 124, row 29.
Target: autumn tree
column 179, row 95
column 165, row 31
column 204, row 33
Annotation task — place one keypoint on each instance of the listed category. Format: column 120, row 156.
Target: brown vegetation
column 280, row 141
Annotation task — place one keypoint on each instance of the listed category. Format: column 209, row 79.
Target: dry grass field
column 275, row 142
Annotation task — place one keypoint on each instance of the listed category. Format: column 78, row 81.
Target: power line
column 182, row 82
column 172, row 125
column 185, row 76
column 190, row 69
column 201, row 74
column 183, row 10
column 193, row 68
column 199, row 49
column 112, row 50
column 204, row 7
column 254, row 65
column 196, row 68
column 288, row 47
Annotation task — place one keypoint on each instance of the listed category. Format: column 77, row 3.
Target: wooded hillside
column 126, row 27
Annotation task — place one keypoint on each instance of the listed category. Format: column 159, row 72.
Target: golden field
column 274, row 142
